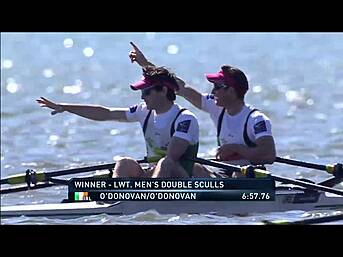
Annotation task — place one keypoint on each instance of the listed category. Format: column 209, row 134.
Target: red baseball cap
column 146, row 82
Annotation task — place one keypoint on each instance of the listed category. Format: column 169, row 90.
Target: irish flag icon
column 81, row 196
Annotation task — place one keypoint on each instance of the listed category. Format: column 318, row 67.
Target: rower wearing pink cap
column 244, row 134
column 171, row 132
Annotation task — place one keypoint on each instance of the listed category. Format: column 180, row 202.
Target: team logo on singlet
column 183, row 126
column 133, row 108
column 260, row 127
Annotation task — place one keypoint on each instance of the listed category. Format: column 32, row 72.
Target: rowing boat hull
column 284, row 201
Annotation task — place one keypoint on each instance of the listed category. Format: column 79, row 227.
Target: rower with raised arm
column 170, row 131
column 244, row 134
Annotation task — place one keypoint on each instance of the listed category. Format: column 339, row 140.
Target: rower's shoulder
column 186, row 115
column 187, row 112
column 257, row 113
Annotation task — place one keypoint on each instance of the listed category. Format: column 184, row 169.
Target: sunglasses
column 146, row 92
column 217, row 86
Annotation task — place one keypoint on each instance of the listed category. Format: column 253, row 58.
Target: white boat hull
column 285, row 200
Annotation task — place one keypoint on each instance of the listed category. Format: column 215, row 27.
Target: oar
column 306, row 221
column 249, row 171
column 54, row 182
column 331, row 182
column 25, row 188
column 49, row 183
column 334, row 169
column 337, row 170
column 43, row 176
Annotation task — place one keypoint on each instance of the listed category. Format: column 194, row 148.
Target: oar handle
column 334, row 169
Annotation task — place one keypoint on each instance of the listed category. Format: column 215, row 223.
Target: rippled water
column 295, row 78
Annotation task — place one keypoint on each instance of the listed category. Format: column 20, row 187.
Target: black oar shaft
column 301, row 163
column 276, row 177
column 307, row 185
column 59, row 181
column 215, row 164
column 80, row 170
column 331, row 182
column 24, row 188
column 50, row 183
column 84, row 169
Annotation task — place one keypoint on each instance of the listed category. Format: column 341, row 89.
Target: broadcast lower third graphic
column 98, row 189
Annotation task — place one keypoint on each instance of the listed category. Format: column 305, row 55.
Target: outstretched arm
column 137, row 56
column 93, row 112
column 189, row 93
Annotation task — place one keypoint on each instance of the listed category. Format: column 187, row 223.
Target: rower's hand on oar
column 137, row 56
column 57, row 108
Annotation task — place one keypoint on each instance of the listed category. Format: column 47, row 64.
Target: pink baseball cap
column 216, row 77
column 146, row 82
column 229, row 80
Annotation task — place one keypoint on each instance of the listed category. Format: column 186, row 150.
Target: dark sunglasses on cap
column 217, row 86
